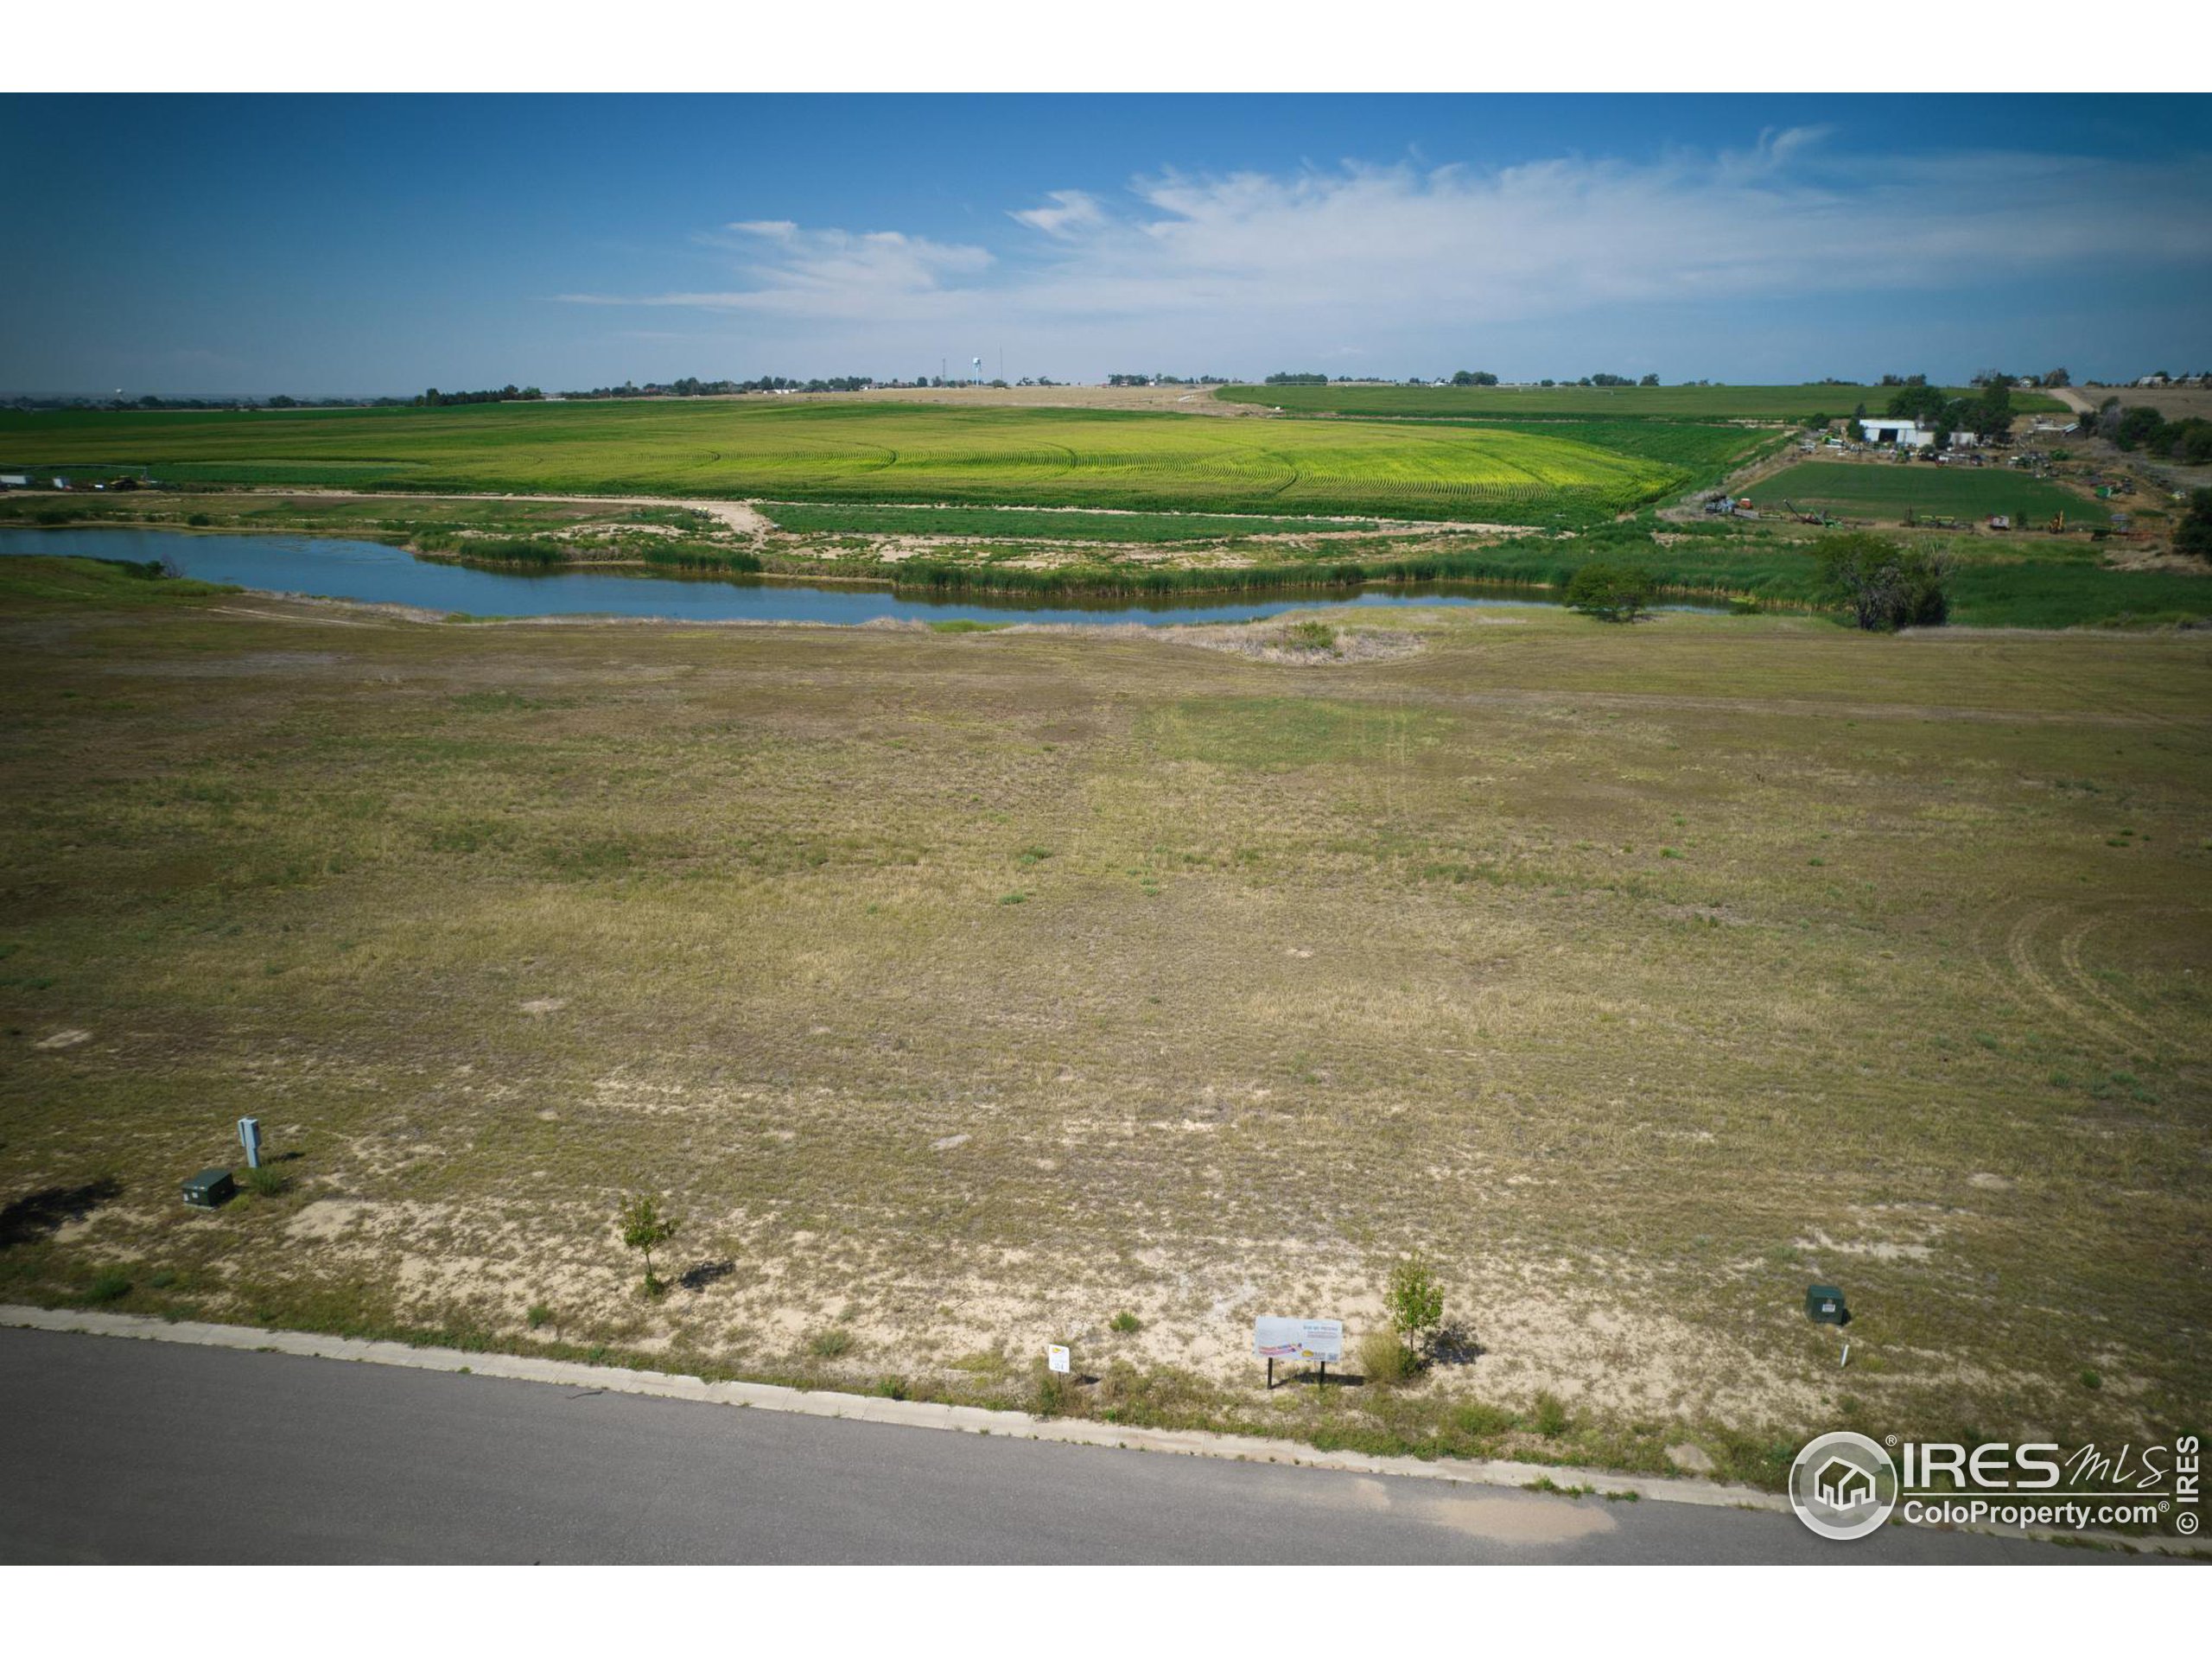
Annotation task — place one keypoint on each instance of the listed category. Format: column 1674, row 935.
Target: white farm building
column 1894, row 429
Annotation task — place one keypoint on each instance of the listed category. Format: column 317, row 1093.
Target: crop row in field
column 873, row 452
column 1706, row 447
column 1043, row 524
column 1590, row 403
column 1890, row 491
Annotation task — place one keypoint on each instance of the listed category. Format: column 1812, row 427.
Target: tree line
column 2188, row 440
column 433, row 398
column 1988, row 417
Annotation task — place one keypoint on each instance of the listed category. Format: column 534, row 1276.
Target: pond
column 332, row 568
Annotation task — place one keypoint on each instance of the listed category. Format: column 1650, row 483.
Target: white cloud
column 1069, row 210
column 827, row 275
column 1240, row 269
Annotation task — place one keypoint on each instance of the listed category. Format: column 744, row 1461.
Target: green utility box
column 1824, row 1306
column 210, row 1189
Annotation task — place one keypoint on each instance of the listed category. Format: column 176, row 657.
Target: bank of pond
column 532, row 577
column 333, row 568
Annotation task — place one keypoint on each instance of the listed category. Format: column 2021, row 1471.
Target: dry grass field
column 961, row 993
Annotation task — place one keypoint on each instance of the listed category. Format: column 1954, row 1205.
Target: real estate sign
column 1321, row 1339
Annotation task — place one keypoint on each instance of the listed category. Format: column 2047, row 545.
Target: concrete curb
column 867, row 1408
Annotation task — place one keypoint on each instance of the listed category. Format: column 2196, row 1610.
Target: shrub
column 266, row 1181
column 1385, row 1359
column 643, row 1227
column 2194, row 534
column 1886, row 585
column 1126, row 1324
column 1549, row 1418
column 1311, row 636
column 833, row 1343
column 1052, row 1393
column 1415, row 1304
column 1612, row 593
column 111, row 1285
column 539, row 1315
column 2092, row 1382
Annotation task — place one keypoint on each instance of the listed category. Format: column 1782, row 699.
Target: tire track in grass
column 2020, row 952
column 2069, row 956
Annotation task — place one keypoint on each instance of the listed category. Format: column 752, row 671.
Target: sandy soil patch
column 1269, row 644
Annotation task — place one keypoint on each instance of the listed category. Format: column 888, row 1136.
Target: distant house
column 1896, row 428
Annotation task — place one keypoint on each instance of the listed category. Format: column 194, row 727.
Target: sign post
column 1276, row 1338
column 1056, row 1358
column 250, row 1138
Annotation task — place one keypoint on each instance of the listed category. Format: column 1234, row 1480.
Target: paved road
column 148, row 1452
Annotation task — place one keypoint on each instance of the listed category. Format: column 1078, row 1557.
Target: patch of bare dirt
column 1278, row 644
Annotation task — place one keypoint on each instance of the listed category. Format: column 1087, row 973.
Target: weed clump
column 1549, row 1419
column 267, row 1182
column 1385, row 1359
column 1052, row 1394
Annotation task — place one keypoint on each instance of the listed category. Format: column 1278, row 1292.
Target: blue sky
column 372, row 244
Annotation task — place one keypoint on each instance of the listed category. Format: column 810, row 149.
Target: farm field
column 1590, row 402
column 870, row 452
column 1706, row 449
column 964, row 992
column 1888, row 491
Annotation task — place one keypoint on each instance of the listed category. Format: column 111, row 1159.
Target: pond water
column 334, row 568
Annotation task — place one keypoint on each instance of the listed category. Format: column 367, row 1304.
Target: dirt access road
column 740, row 516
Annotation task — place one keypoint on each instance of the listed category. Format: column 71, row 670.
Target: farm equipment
column 1822, row 517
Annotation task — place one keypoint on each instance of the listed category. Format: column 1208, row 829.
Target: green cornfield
column 831, row 452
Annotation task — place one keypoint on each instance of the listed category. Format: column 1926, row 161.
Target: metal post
column 1325, row 1374
column 1271, row 1373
